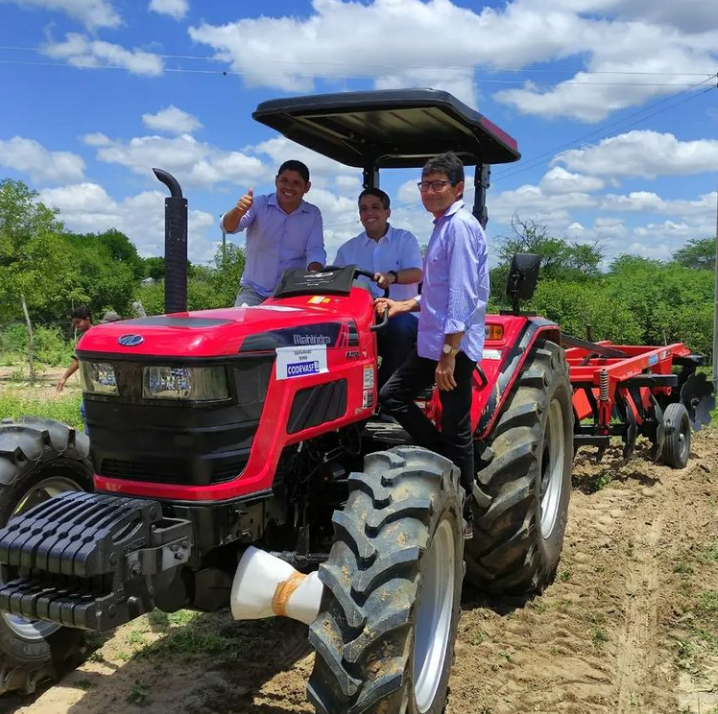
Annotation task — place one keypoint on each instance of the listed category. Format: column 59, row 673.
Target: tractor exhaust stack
column 175, row 244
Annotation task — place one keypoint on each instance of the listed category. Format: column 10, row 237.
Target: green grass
column 65, row 408
column 138, row 695
column 192, row 635
column 599, row 637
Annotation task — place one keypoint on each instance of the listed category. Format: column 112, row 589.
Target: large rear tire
column 39, row 458
column 520, row 501
column 384, row 640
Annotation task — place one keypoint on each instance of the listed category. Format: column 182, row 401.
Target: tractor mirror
column 523, row 276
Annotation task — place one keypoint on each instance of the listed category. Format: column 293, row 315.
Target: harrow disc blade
column 660, row 440
column 699, row 399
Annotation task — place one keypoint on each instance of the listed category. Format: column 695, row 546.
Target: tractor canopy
column 388, row 128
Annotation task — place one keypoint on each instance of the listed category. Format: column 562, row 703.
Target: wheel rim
column 552, row 468
column 46, row 489
column 433, row 622
column 684, row 438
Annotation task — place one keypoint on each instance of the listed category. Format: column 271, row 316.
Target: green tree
column 109, row 270
column 669, row 301
column 36, row 271
column 699, row 254
column 560, row 259
column 153, row 268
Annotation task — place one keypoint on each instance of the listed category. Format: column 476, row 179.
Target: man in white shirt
column 394, row 257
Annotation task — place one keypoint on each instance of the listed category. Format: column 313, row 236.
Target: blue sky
column 613, row 102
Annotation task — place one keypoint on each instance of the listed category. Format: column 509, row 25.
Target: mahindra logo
column 130, row 340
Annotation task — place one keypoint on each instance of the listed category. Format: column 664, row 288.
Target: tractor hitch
column 90, row 561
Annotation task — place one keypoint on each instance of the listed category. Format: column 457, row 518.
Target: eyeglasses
column 435, row 186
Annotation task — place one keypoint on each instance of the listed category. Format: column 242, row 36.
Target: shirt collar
column 387, row 236
column 451, row 210
column 273, row 201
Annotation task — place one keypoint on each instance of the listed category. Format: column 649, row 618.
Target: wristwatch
column 395, row 274
column 447, row 349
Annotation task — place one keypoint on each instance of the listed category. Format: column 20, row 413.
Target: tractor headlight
column 98, row 378
column 196, row 384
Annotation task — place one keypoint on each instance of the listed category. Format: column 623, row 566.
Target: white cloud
column 643, row 153
column 459, row 82
column 79, row 51
column 92, row 13
column 87, row 207
column 96, row 139
column 190, row 161
column 400, row 43
column 324, row 172
column 172, row 120
column 174, row 8
column 30, row 157
column 387, row 40
column 689, row 15
column 560, row 181
column 636, row 201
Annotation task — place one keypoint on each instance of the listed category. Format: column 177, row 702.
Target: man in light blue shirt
column 394, row 257
column 451, row 324
column 283, row 231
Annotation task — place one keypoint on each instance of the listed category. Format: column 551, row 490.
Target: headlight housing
column 195, row 384
column 98, row 378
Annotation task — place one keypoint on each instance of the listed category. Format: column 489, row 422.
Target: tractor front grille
column 174, row 470
column 136, row 439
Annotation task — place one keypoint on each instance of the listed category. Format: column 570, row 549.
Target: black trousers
column 455, row 440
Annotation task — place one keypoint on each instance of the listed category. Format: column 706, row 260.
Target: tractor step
column 386, row 432
column 89, row 561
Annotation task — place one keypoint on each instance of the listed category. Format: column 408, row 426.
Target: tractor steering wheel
column 385, row 320
column 366, row 274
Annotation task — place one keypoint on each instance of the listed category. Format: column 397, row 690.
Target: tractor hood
column 225, row 332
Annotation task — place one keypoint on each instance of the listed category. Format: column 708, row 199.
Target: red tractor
column 235, row 458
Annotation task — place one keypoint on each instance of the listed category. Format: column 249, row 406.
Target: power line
column 323, row 63
column 538, row 159
column 228, row 72
column 534, row 161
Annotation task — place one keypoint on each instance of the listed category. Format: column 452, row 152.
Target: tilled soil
column 629, row 627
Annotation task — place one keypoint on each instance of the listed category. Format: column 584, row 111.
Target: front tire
column 384, row 640
column 677, row 444
column 39, row 458
column 521, row 498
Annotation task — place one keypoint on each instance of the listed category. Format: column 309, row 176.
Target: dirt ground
column 629, row 627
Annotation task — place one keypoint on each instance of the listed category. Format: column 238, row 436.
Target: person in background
column 452, row 312
column 283, row 231
column 394, row 257
column 82, row 321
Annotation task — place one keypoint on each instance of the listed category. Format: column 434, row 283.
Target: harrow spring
column 603, row 386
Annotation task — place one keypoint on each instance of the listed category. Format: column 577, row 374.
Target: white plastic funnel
column 265, row 586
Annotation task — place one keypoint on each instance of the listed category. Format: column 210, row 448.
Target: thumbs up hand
column 245, row 203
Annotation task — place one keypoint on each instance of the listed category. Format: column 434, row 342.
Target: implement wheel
column 385, row 638
column 39, row 458
column 677, row 444
column 521, row 498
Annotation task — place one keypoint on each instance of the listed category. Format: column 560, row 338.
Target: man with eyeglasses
column 394, row 257
column 452, row 309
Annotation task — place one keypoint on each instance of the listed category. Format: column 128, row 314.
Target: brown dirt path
column 629, row 627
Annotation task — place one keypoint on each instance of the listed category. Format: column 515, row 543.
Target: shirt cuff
column 451, row 327
column 224, row 230
column 316, row 256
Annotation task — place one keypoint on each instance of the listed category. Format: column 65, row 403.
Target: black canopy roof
column 388, row 128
